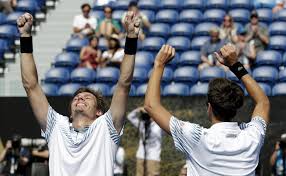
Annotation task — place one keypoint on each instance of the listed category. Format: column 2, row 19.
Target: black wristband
column 26, row 44
column 130, row 46
column 238, row 69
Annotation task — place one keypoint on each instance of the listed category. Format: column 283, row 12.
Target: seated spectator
column 144, row 19
column 90, row 56
column 114, row 55
column 257, row 33
column 108, row 26
column 7, row 6
column 245, row 51
column 227, row 30
column 209, row 47
column 84, row 24
column 280, row 4
column 278, row 159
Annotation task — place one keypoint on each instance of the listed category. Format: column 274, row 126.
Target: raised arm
column 229, row 58
column 119, row 99
column 36, row 96
column 152, row 98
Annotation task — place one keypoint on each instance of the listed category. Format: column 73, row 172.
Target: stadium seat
column 193, row 4
column 83, row 75
column 171, row 4
column 167, row 16
column 57, row 75
column 4, row 46
column 144, row 59
column 190, row 58
column 282, row 76
column 284, row 59
column 149, row 5
column 68, row 89
column 210, row 73
column 179, row 43
column 277, row 28
column 200, row 89
column 12, row 17
column 182, row 29
column 176, row 89
column 132, row 91
column 153, row 43
column 202, row 29
column 141, row 90
column 266, row 88
column 102, row 44
column 159, row 30
column 277, row 42
column 107, row 74
column 246, row 4
column 140, row 75
column 98, row 14
column 120, row 5
column 117, row 14
column 279, row 89
column 264, row 3
column 186, row 74
column 280, row 16
column 75, row 44
column 150, row 14
column 174, row 62
column 100, row 87
column 50, row 89
column 265, row 74
column 214, row 15
column 231, row 76
column 8, row 31
column 240, row 15
column 197, row 42
column 67, row 59
column 221, row 4
column 269, row 57
column 167, row 75
column 265, row 15
column 191, row 16
column 2, row 18
column 27, row 6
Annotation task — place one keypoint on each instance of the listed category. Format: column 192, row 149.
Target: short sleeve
column 51, row 121
column 93, row 23
column 112, row 131
column 255, row 128
column 185, row 135
column 75, row 21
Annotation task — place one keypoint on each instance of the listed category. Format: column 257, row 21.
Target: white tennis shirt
column 224, row 149
column 87, row 153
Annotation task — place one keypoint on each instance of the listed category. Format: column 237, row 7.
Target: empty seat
column 107, row 74
column 265, row 15
column 144, row 59
column 240, row 15
column 171, row 4
column 222, row 4
column 197, row 42
column 102, row 43
column 246, row 4
column 2, row 18
column 191, row 16
column 4, row 46
column 190, row 58
column 153, row 43
column 167, row 16
column 174, row 62
column 265, row 74
column 117, row 14
column 200, row 89
column 280, row 16
column 167, row 75
column 100, row 87
column 140, row 75
column 149, row 5
column 27, row 6
column 176, row 89
column 214, row 15
column 231, row 76
column 277, row 42
column 282, row 76
column 50, row 89
column 266, row 88
column 210, row 73
column 186, row 74
column 75, row 44
column 193, row 4
column 67, row 59
column 150, row 14
column 182, row 29
column 284, row 59
column 204, row 28
column 264, row 3
column 277, row 28
column 132, row 91
column 8, row 31
column 180, row 43
column 279, row 89
column 12, row 17
column 83, row 75
column 272, row 58
column 120, row 5
column 57, row 75
column 141, row 90
column 159, row 29
column 98, row 14
column 68, row 89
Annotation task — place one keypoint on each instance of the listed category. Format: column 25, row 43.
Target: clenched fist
column 25, row 23
column 132, row 24
column 227, row 55
column 165, row 55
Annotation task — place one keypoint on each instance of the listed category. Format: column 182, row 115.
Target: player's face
column 84, row 103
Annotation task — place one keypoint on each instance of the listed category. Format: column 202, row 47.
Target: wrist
column 159, row 64
column 132, row 36
column 238, row 69
column 25, row 35
column 26, row 44
column 130, row 46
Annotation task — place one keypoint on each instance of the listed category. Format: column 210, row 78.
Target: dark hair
column 109, row 8
column 93, row 37
column 225, row 97
column 85, row 5
column 132, row 4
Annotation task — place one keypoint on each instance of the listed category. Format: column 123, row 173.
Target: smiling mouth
column 80, row 104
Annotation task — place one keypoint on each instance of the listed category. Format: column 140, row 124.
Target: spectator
column 228, row 29
column 209, row 47
column 278, row 157
column 280, row 4
column 7, row 6
column 245, row 51
column 183, row 171
column 108, row 26
column 149, row 150
column 90, row 56
column 144, row 19
column 257, row 32
column 114, row 55
column 119, row 162
column 84, row 24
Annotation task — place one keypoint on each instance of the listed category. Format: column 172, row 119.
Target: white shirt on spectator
column 90, row 152
column 117, row 57
column 119, row 161
column 154, row 140
column 80, row 21
column 224, row 149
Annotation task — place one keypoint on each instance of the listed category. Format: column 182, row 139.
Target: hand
column 227, row 56
column 8, row 145
column 87, row 25
column 132, row 24
column 165, row 55
column 142, row 110
column 25, row 23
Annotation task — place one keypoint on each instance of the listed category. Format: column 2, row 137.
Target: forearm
column 28, row 72
column 76, row 30
column 273, row 158
column 264, row 38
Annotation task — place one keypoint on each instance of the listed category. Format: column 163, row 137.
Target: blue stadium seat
column 100, row 87
column 167, row 75
column 50, row 89
column 265, row 15
column 193, row 4
column 141, row 90
column 140, row 75
column 67, row 59
column 132, row 91
column 214, row 15
column 150, row 14
column 83, row 75
column 8, row 31
column 246, row 4
column 179, row 43
column 144, row 59
column 231, row 76
column 102, row 43
column 284, row 59
column 265, row 74
column 171, row 4
column 68, row 89
column 277, row 42
column 182, row 29
column 57, row 75
column 159, row 30
column 204, row 28
column 269, row 57
column 98, row 14
column 240, row 15
column 27, row 6
column 282, row 76
column 153, row 43
column 75, row 44
column 277, row 28
column 221, row 4
column 200, row 89
column 280, row 16
column 149, row 5
column 167, row 16
column 279, row 89
column 107, row 74
column 266, row 88
column 210, row 73
column 190, row 58
column 197, row 42
column 117, row 14
column 2, row 18
column 191, row 16
column 176, row 89
column 264, row 4
column 12, row 17
column 174, row 62
column 186, row 74
column 120, row 5
column 4, row 46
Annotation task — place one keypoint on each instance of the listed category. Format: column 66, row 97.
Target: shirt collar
column 225, row 125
